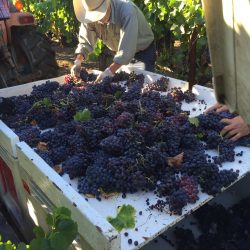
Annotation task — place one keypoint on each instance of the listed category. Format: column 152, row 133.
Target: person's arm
column 108, row 72
column 128, row 37
column 87, row 40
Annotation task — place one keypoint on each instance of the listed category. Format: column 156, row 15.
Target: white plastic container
column 44, row 189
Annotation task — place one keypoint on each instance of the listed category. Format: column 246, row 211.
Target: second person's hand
column 218, row 107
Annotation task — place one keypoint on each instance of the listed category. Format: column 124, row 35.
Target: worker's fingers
column 218, row 107
column 226, row 129
column 236, row 137
column 209, row 110
column 213, row 108
column 97, row 80
column 231, row 133
column 223, row 108
column 226, row 121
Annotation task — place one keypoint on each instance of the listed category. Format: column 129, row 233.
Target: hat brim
column 85, row 16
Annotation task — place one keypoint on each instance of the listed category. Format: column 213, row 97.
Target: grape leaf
column 58, row 241
column 125, row 218
column 200, row 135
column 38, row 231
column 45, row 102
column 50, row 220
column 194, row 121
column 41, row 244
column 62, row 212
column 83, row 115
column 68, row 229
column 118, row 94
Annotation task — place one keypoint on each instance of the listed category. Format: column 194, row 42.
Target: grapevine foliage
column 62, row 232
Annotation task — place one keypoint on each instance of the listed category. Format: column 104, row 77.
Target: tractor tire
column 7, row 68
column 37, row 51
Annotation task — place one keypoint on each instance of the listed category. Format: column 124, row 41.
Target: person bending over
column 121, row 25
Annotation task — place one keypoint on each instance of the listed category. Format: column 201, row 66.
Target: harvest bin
column 11, row 191
column 43, row 189
column 228, row 32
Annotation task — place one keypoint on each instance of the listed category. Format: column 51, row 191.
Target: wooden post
column 192, row 58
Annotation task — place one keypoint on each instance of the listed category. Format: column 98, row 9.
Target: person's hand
column 235, row 128
column 75, row 70
column 106, row 73
column 218, row 107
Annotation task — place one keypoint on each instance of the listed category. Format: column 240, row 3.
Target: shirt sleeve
column 128, row 38
column 86, row 40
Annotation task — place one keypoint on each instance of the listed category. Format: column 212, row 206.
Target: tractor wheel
column 33, row 54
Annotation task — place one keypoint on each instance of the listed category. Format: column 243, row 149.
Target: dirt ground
column 65, row 58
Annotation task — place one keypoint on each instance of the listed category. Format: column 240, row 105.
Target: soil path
column 65, row 58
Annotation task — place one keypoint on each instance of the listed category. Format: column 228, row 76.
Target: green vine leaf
column 41, row 244
column 125, row 218
column 83, row 115
column 194, row 121
column 200, row 136
column 58, row 242
column 39, row 233
column 50, row 220
column 118, row 94
column 68, row 229
column 45, row 102
column 62, row 212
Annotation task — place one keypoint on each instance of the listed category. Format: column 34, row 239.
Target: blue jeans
column 148, row 57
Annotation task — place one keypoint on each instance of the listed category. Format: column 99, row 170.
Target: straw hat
column 88, row 11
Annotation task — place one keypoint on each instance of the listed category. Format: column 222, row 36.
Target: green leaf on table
column 194, row 121
column 45, row 102
column 83, row 115
column 118, row 94
column 125, row 218
column 200, row 136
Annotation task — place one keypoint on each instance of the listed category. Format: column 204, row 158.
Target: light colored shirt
column 126, row 33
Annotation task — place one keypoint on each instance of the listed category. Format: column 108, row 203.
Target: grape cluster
column 158, row 85
column 76, row 165
column 226, row 151
column 29, row 134
column 133, row 137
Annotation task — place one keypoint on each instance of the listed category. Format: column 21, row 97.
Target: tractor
column 25, row 54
